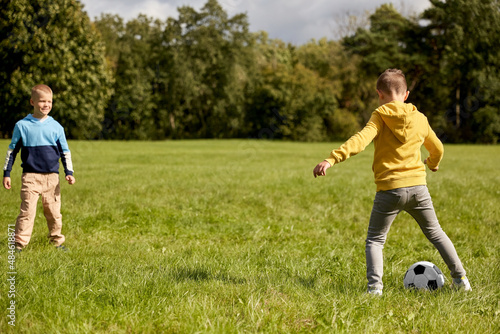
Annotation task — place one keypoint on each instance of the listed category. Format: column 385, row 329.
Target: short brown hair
column 36, row 90
column 392, row 81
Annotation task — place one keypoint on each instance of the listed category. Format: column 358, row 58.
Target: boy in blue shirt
column 42, row 142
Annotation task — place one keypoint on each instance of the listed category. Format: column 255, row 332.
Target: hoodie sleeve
column 434, row 147
column 358, row 142
column 65, row 153
column 14, row 148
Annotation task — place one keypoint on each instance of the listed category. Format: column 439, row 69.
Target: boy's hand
column 6, row 182
column 434, row 170
column 71, row 179
column 320, row 169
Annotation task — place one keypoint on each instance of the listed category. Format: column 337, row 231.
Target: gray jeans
column 417, row 202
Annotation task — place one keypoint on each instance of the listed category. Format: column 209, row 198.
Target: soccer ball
column 423, row 275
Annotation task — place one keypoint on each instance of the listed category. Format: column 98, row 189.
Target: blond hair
column 392, row 81
column 38, row 89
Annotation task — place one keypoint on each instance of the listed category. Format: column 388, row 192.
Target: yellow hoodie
column 398, row 130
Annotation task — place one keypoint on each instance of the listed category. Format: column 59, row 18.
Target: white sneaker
column 374, row 291
column 462, row 283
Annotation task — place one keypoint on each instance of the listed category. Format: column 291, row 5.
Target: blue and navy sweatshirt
column 42, row 144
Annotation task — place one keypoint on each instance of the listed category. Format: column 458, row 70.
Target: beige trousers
column 33, row 186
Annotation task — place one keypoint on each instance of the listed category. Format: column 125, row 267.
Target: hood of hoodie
column 400, row 117
column 33, row 119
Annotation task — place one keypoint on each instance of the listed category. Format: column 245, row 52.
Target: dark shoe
column 18, row 250
column 62, row 248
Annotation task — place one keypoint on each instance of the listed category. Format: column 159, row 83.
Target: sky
column 293, row 21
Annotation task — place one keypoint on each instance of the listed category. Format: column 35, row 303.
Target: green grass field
column 237, row 236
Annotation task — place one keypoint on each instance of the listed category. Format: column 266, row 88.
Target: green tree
column 291, row 101
column 112, row 30
column 204, row 72
column 182, row 78
column 382, row 45
column 356, row 98
column 52, row 42
column 391, row 41
column 464, row 36
column 131, row 48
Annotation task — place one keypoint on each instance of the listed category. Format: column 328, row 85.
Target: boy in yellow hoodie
column 398, row 130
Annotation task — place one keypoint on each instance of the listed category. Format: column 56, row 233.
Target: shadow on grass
column 308, row 282
column 202, row 274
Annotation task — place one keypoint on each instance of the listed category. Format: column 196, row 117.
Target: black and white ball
column 423, row 275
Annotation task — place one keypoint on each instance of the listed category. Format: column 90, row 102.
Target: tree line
column 206, row 75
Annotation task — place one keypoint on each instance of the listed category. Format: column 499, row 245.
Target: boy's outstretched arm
column 353, row 146
column 320, row 169
column 6, row 182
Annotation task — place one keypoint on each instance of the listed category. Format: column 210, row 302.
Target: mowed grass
column 237, row 236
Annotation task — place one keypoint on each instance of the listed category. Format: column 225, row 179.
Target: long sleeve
column 358, row 142
column 65, row 153
column 435, row 148
column 14, row 147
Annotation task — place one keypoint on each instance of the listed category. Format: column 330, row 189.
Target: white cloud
column 153, row 8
